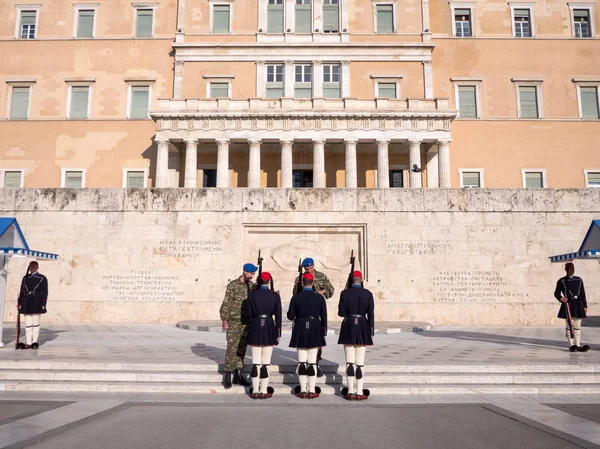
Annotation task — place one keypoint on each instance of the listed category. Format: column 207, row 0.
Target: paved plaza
column 61, row 417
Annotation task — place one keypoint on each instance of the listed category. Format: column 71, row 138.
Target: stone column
column 254, row 164
column 318, row 163
column 162, row 163
column 351, row 175
column 428, row 78
column 286, row 163
column 178, row 80
column 383, row 165
column 223, row 163
column 415, row 159
column 444, row 164
column 191, row 163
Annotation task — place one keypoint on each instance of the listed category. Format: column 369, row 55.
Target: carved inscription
column 472, row 286
column 416, row 249
column 188, row 248
column 142, row 285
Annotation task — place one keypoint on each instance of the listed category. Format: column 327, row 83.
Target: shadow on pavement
column 494, row 338
column 46, row 335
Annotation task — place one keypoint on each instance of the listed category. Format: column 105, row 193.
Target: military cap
column 308, row 276
column 250, row 268
column 357, row 274
column 265, row 276
column 308, row 262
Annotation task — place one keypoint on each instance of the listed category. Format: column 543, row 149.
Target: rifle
column 259, row 263
column 569, row 317
column 351, row 274
column 17, row 344
column 298, row 286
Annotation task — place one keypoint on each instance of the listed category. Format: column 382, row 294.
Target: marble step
column 214, row 388
column 291, row 367
column 374, row 377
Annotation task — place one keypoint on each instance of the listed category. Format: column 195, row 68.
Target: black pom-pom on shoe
column 573, row 348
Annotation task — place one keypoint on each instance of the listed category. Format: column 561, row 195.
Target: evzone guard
column 358, row 327
column 32, row 304
column 263, row 333
column 571, row 293
column 308, row 310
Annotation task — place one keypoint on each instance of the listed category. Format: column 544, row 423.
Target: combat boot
column 227, row 380
column 240, row 379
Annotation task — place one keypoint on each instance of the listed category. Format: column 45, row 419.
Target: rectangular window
column 593, row 179
column 303, row 81
column 221, row 18
column 219, row 90
column 302, row 178
column 135, row 179
column 143, row 22
column 522, row 21
column 386, row 90
column 385, row 19
column 275, row 16
column 85, row 23
column 303, row 16
column 274, row 87
column 138, row 106
column 19, row 107
column 528, row 102
column 534, row 180
column 589, row 102
column 581, row 23
column 80, row 97
column 396, row 178
column 73, row 179
column 331, row 16
column 471, row 179
column 331, row 81
column 13, row 179
column 467, row 101
column 209, row 177
column 27, row 28
column 462, row 23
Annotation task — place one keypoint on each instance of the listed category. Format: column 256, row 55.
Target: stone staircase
column 55, row 376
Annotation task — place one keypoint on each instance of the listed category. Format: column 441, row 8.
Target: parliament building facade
column 299, row 93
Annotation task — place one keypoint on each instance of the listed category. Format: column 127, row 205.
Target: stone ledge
column 301, row 200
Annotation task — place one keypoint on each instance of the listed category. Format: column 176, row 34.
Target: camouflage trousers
column 236, row 346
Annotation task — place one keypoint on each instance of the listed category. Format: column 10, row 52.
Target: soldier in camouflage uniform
column 323, row 286
column 231, row 315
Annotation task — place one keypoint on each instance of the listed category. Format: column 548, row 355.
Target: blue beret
column 308, row 262
column 250, row 268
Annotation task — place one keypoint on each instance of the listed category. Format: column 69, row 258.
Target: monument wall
column 469, row 256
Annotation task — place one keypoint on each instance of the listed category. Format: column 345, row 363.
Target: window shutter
column 593, row 179
column 471, row 179
column 221, row 19
column 303, row 90
column 581, row 13
column 529, row 105
column 139, row 102
column 331, row 18
column 143, row 26
column 85, row 25
column 219, row 90
column 20, row 103
column 467, row 102
column 73, row 179
column 385, row 19
column 331, row 90
column 274, row 90
column 462, row 12
column 534, row 180
column 135, row 180
column 28, row 17
column 303, row 19
column 589, row 102
column 79, row 102
column 12, row 179
column 521, row 13
column 386, row 90
column 275, row 18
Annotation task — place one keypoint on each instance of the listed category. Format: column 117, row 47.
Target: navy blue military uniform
column 259, row 309
column 572, row 288
column 356, row 306
column 33, row 294
column 308, row 310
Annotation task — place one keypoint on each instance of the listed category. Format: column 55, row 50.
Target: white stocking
column 29, row 329
column 256, row 357
column 350, row 359
column 360, row 365
column 36, row 327
column 267, row 351
column 312, row 360
column 302, row 358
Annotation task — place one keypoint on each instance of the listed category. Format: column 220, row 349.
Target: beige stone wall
column 443, row 256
